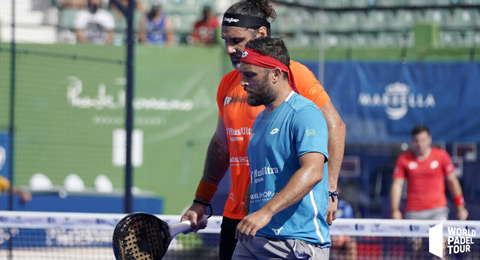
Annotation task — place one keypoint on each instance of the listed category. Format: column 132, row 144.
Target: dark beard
column 265, row 95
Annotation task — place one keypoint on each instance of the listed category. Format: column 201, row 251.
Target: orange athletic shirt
column 238, row 118
column 425, row 179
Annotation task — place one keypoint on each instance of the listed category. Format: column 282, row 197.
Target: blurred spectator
column 94, row 25
column 121, row 21
column 25, row 196
column 205, row 30
column 156, row 27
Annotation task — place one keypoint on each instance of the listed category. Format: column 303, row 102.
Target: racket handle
column 179, row 228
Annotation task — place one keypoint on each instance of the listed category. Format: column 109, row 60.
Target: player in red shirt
column 243, row 21
column 204, row 30
column 425, row 169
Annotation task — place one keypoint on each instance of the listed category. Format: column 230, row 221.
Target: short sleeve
column 308, row 86
column 399, row 170
column 447, row 164
column 310, row 130
column 222, row 89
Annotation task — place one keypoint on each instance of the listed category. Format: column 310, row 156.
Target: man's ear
column 262, row 32
column 276, row 74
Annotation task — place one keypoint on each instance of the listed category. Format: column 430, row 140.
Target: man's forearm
column 395, row 197
column 336, row 147
column 216, row 162
column 301, row 183
column 336, row 143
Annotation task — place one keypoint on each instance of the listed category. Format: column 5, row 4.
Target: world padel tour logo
column 396, row 99
column 458, row 240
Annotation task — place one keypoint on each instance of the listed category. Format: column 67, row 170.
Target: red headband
column 251, row 56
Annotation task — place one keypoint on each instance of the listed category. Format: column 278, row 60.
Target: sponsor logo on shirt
column 236, row 135
column 274, row 131
column 226, row 100
column 277, row 230
column 266, row 195
column 313, row 90
column 258, row 175
column 434, row 164
column 310, row 132
column 412, row 165
column 235, row 139
column 239, row 131
column 238, row 159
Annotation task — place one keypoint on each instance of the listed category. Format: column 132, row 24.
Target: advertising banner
column 381, row 101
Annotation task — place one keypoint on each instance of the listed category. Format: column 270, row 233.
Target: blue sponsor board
column 380, row 102
column 54, row 237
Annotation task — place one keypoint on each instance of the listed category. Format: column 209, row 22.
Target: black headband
column 245, row 21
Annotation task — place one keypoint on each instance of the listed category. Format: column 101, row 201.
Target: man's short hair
column 419, row 129
column 273, row 47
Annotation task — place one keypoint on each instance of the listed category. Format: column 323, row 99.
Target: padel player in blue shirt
column 288, row 157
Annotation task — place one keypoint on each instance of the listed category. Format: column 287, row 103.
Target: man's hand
column 331, row 211
column 196, row 215
column 249, row 225
column 396, row 214
column 462, row 213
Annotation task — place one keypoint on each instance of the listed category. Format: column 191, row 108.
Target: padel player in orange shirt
column 241, row 22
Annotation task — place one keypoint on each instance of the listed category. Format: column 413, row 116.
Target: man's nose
column 231, row 49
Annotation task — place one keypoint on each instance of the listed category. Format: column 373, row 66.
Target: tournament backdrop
column 69, row 105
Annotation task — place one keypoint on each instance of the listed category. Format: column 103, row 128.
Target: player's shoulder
column 300, row 103
column 231, row 76
column 230, row 79
column 407, row 156
column 439, row 152
column 298, row 67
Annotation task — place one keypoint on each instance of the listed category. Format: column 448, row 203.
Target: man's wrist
column 200, row 200
column 333, row 195
column 459, row 201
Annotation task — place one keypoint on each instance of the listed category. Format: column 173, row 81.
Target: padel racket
column 141, row 236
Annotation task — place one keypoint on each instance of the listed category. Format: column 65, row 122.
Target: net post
column 129, row 124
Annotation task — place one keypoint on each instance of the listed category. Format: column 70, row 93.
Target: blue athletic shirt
column 278, row 139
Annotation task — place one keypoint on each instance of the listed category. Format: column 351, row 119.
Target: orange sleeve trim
column 206, row 190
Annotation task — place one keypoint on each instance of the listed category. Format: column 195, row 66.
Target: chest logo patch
column 434, row 164
column 412, row 165
column 274, row 131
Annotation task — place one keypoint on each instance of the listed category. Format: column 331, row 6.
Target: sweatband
column 244, row 21
column 206, row 190
column 459, row 201
column 253, row 57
